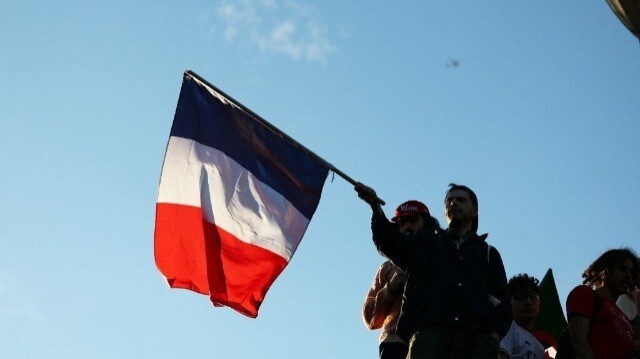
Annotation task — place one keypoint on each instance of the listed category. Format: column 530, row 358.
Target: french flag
column 235, row 199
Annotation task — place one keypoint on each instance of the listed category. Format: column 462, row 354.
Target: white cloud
column 281, row 40
column 276, row 26
column 230, row 33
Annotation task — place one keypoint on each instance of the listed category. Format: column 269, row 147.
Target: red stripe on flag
column 197, row 255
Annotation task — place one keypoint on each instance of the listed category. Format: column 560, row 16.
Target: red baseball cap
column 409, row 208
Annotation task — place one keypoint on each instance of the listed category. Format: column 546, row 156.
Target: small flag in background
column 550, row 322
column 235, row 199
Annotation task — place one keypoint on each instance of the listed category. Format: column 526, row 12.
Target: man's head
column 461, row 208
column 617, row 269
column 411, row 216
column 525, row 299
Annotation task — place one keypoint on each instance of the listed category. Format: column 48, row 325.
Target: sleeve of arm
column 506, row 344
column 379, row 300
column 579, row 329
column 498, row 287
column 388, row 240
column 580, row 304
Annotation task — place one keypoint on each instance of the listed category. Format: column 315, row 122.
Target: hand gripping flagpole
column 277, row 131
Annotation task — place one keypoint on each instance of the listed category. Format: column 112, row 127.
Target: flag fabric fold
column 234, row 201
column 551, row 321
column 628, row 12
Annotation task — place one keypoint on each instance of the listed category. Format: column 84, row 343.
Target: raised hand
column 369, row 195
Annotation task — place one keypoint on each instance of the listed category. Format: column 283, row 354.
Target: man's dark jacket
column 446, row 285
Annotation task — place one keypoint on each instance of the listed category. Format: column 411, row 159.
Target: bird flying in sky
column 452, row 63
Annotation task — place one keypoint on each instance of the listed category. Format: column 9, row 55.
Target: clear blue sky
column 540, row 118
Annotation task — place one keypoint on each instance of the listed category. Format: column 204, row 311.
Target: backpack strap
column 597, row 304
column 494, row 301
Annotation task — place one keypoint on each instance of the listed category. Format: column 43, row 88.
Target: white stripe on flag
column 239, row 203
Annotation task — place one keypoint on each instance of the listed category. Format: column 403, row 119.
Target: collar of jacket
column 468, row 235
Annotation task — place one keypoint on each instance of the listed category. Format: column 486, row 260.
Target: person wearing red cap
column 382, row 305
column 456, row 299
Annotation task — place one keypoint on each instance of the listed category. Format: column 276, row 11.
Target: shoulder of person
column 581, row 290
column 506, row 343
column 513, row 331
column 582, row 301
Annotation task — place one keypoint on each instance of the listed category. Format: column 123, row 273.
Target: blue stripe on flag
column 294, row 174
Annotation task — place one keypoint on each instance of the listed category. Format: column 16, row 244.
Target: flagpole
column 276, row 130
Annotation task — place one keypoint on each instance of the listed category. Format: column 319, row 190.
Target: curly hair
column 523, row 282
column 594, row 275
